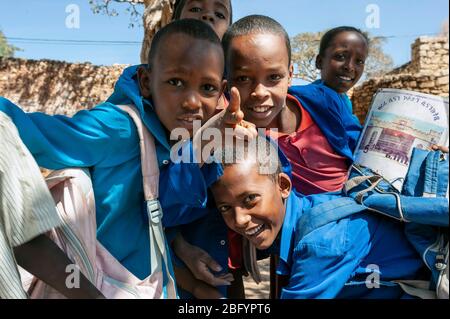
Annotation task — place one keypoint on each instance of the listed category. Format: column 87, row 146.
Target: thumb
column 233, row 113
column 235, row 101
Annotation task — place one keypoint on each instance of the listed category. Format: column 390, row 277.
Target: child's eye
column 209, row 88
column 223, row 209
column 175, row 82
column 250, row 199
column 340, row 56
column 243, row 79
column 220, row 15
column 275, row 77
column 361, row 62
column 195, row 9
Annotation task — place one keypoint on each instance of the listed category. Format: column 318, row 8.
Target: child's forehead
column 177, row 40
column 258, row 50
column 224, row 3
column 345, row 37
column 244, row 173
column 260, row 35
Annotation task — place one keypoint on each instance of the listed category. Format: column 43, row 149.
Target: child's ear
column 285, row 185
column 291, row 74
column 144, row 81
column 318, row 62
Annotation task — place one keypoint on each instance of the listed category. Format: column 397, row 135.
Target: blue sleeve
column 326, row 259
column 184, row 190
column 101, row 136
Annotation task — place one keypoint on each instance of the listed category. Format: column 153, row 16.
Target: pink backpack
column 74, row 197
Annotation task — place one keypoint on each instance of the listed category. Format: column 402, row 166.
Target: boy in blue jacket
column 357, row 256
column 182, row 83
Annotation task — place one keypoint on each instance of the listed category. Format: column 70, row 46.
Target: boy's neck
column 289, row 118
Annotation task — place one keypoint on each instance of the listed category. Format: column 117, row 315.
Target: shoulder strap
column 150, row 177
column 149, row 160
column 326, row 213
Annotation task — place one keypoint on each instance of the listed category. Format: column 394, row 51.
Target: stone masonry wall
column 56, row 87
column 60, row 87
column 427, row 73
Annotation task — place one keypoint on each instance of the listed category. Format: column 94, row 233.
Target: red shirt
column 316, row 167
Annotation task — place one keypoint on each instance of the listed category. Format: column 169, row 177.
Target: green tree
column 305, row 47
column 6, row 50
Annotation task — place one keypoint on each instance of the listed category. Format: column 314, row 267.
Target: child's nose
column 241, row 217
column 349, row 65
column 192, row 101
column 260, row 91
column 208, row 17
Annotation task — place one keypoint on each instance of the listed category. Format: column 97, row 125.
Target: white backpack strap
column 150, row 176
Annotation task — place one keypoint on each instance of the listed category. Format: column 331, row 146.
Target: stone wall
column 427, row 72
column 56, row 87
column 63, row 88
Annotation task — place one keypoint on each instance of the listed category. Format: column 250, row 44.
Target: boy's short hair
column 191, row 27
column 255, row 24
column 261, row 150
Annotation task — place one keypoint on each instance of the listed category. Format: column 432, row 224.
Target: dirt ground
column 261, row 291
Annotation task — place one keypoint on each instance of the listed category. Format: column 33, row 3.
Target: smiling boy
column 332, row 260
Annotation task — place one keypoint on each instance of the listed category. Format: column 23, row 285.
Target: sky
column 402, row 21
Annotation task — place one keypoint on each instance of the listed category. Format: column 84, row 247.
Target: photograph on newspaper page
column 398, row 121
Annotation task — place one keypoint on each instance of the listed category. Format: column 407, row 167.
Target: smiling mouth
column 260, row 108
column 255, row 231
column 190, row 118
column 345, row 78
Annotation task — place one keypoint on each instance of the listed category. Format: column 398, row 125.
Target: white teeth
column 345, row 78
column 253, row 230
column 189, row 119
column 261, row 109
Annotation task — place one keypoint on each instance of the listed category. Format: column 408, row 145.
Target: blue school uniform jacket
column 105, row 140
column 335, row 260
column 330, row 111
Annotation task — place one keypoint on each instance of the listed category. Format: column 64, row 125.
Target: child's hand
column 234, row 118
column 200, row 263
column 229, row 124
column 441, row 148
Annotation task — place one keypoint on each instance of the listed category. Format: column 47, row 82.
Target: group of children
column 231, row 76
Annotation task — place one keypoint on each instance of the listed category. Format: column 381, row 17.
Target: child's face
column 259, row 68
column 343, row 62
column 185, row 81
column 216, row 13
column 252, row 204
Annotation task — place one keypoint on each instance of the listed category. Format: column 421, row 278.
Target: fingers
column 205, row 274
column 227, row 276
column 235, row 100
column 219, row 280
column 441, row 148
column 210, row 262
column 233, row 114
column 242, row 133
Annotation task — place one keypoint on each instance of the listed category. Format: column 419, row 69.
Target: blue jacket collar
column 332, row 114
column 294, row 208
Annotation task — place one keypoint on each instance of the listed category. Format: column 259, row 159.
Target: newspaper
column 398, row 121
